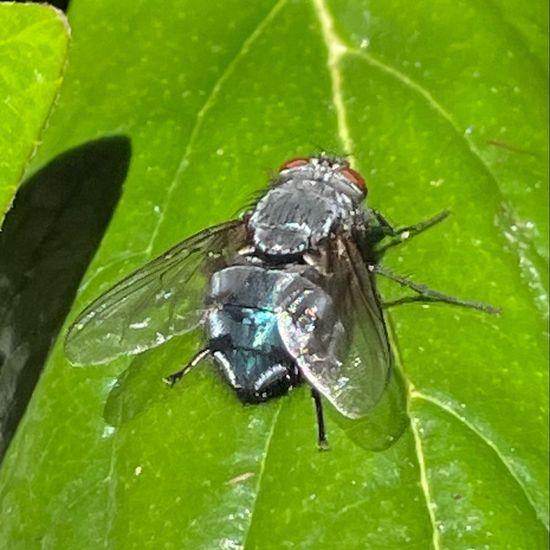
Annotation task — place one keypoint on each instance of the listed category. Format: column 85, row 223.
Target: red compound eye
column 294, row 163
column 355, row 177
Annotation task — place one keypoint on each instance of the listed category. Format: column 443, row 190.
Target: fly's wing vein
column 369, row 360
column 162, row 299
column 337, row 335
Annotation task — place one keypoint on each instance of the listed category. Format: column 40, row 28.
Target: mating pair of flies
column 285, row 294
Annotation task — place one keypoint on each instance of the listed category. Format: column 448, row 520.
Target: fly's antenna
column 330, row 153
column 327, row 152
column 317, row 149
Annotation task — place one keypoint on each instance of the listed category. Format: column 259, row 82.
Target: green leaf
column 442, row 107
column 33, row 50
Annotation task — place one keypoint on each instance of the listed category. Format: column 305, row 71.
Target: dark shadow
column 48, row 239
column 62, row 5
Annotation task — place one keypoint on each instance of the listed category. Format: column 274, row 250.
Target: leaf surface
column 441, row 109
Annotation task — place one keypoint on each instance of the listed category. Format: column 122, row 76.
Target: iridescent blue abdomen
column 242, row 326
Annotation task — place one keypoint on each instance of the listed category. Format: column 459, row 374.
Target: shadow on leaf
column 47, row 241
column 383, row 427
column 141, row 385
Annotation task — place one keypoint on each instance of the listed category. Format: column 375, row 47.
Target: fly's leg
column 408, row 300
column 171, row 379
column 321, row 433
column 384, row 229
column 426, row 294
column 415, row 229
column 391, row 231
column 401, row 234
column 385, row 225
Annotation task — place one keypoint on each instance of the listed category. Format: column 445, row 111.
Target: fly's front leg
column 380, row 231
column 426, row 294
column 402, row 234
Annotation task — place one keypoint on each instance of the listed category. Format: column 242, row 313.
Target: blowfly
column 286, row 294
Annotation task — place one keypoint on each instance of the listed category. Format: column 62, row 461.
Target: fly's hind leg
column 425, row 294
column 321, row 432
column 171, row 379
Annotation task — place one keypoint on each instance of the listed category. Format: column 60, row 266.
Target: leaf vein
column 209, row 101
column 533, row 280
column 415, row 394
column 424, row 483
column 336, row 50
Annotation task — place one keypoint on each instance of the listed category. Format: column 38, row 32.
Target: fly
column 286, row 294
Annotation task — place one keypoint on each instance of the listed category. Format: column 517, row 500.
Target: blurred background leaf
column 441, row 108
column 33, row 42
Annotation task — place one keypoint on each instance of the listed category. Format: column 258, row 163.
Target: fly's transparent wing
column 369, row 361
column 338, row 336
column 385, row 423
column 162, row 299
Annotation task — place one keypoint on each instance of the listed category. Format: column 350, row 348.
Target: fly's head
column 327, row 170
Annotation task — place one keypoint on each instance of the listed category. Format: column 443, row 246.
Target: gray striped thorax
column 303, row 207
